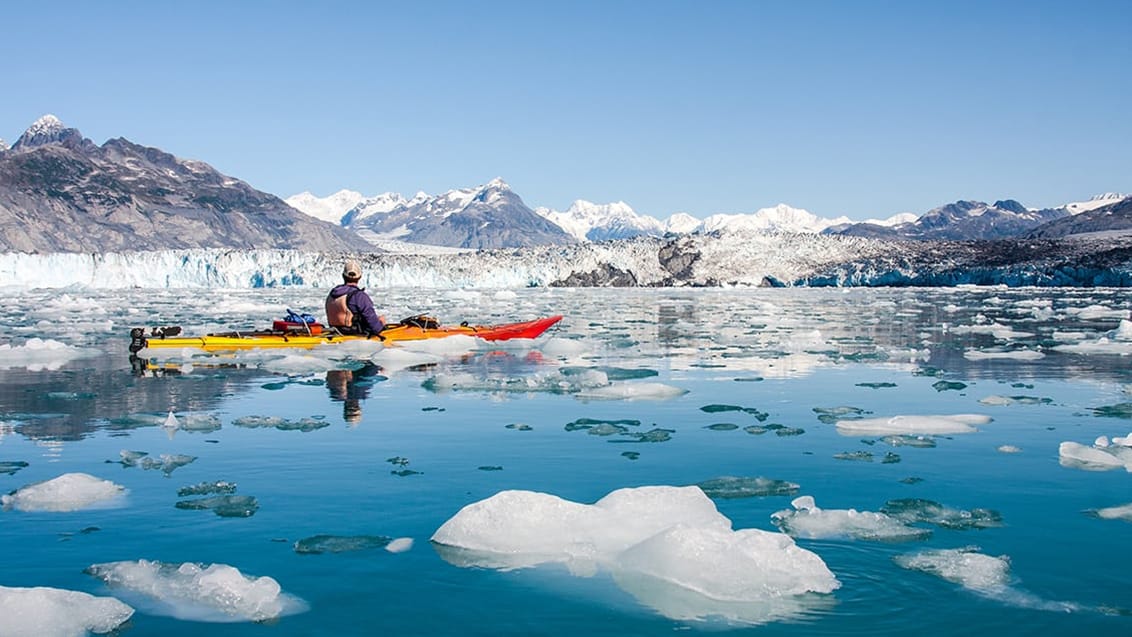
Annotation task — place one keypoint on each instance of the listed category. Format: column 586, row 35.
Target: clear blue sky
column 863, row 108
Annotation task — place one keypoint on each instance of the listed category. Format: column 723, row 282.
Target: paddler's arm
column 364, row 308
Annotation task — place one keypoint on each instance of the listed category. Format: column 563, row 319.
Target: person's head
column 352, row 271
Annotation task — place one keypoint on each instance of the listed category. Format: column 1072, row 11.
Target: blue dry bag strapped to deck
column 292, row 317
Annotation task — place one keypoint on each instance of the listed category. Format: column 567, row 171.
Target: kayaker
column 349, row 308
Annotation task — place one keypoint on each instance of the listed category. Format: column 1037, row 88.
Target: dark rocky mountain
column 490, row 216
column 1115, row 217
column 960, row 221
column 60, row 192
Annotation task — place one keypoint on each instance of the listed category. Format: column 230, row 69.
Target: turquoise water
column 398, row 450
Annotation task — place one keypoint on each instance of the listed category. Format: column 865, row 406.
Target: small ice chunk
column 1000, row 354
column 400, row 545
column 212, row 593
column 68, row 492
column 340, row 543
column 633, row 391
column 912, row 424
column 1009, row 449
column 806, row 520
column 1122, row 512
column 54, row 612
column 170, row 422
column 965, row 567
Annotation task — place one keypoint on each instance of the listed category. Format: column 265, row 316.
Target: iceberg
column 212, row 593
column 669, row 546
column 68, row 492
column 54, row 612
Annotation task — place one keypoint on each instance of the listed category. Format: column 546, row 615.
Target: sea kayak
column 171, row 338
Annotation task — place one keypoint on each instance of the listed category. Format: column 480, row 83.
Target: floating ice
column 965, row 567
column 806, row 520
column 1093, row 458
column 1002, row 401
column 54, row 612
column 225, row 506
column 1122, row 512
column 910, row 424
column 400, row 545
column 396, row 358
column 37, row 354
column 920, row 510
column 1009, row 449
column 997, row 330
column 982, row 574
column 1000, row 354
column 671, row 537
column 68, row 492
column 310, row 423
column 734, row 487
column 633, row 391
column 213, row 593
column 1098, row 312
column 563, row 347
column 340, row 543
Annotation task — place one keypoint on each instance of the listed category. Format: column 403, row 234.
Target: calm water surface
column 395, row 450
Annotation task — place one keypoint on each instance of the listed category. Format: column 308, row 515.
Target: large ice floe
column 1117, row 341
column 54, row 612
column 68, row 492
column 37, row 354
column 911, row 424
column 667, row 546
column 1103, row 455
column 197, row 592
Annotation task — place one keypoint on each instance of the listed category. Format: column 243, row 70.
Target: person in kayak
column 349, row 308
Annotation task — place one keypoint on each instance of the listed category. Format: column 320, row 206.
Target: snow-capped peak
column 586, row 220
column 780, row 218
column 46, row 130
column 1094, row 202
column 681, row 223
column 45, row 125
column 497, row 183
column 331, row 208
column 3, row 145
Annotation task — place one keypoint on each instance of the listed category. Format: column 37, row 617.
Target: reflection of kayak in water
column 304, row 337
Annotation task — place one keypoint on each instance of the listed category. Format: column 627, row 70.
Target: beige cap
column 352, row 270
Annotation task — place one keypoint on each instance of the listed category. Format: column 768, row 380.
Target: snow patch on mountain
column 681, row 223
column 588, row 221
column 330, row 209
column 1094, row 202
column 780, row 218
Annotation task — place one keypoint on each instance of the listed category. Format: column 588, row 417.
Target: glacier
column 719, row 259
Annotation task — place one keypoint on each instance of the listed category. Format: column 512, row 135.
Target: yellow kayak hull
column 235, row 341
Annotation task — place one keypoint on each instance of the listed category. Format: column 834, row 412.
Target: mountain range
column 60, row 192
column 390, row 216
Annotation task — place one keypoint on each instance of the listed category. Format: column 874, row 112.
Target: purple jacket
column 358, row 302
